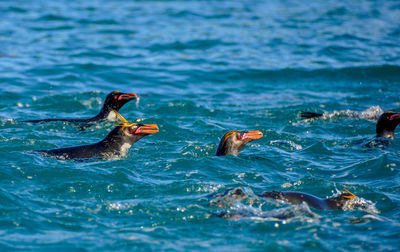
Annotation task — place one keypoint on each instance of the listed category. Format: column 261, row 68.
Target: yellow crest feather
column 230, row 133
column 350, row 196
column 122, row 122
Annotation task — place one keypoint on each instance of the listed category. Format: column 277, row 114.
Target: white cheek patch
column 125, row 148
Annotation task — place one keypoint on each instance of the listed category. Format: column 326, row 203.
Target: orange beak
column 253, row 135
column 127, row 96
column 147, row 129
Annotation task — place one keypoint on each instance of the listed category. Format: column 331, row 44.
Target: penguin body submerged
column 385, row 125
column 296, row 198
column 113, row 103
column 116, row 143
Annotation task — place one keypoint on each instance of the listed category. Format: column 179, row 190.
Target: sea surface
column 200, row 68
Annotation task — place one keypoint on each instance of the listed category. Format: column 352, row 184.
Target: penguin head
column 132, row 132
column 121, row 138
column 233, row 141
column 116, row 99
column 135, row 129
column 340, row 201
column 129, row 133
column 386, row 124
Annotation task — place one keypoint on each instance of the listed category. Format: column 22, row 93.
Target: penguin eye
column 131, row 131
column 115, row 97
column 239, row 137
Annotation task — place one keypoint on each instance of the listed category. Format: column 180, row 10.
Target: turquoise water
column 201, row 68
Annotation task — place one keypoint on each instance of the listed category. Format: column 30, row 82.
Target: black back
column 117, row 141
column 113, row 101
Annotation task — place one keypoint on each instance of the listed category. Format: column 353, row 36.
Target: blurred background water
column 201, row 68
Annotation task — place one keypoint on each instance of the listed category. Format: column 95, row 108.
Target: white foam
column 371, row 113
column 288, row 143
column 137, row 102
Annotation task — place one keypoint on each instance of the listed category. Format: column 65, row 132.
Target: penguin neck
column 116, row 141
column 385, row 128
column 105, row 113
column 385, row 133
column 335, row 203
column 228, row 148
column 227, row 151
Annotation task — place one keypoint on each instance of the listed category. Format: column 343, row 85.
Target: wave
column 197, row 44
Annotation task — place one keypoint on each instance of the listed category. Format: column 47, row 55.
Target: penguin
column 386, row 124
column 233, row 141
column 113, row 103
column 116, row 144
column 385, row 128
column 296, row 198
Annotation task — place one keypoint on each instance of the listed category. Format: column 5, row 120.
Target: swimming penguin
column 296, row 198
column 233, row 141
column 113, row 102
column 385, row 125
column 117, row 143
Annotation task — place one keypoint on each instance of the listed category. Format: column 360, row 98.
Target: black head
column 130, row 133
column 386, row 124
column 233, row 141
column 339, row 202
column 115, row 100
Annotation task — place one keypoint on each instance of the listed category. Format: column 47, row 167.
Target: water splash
column 358, row 203
column 287, row 144
column 137, row 102
column 371, row 114
column 241, row 203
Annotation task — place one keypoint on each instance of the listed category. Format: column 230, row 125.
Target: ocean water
column 201, row 68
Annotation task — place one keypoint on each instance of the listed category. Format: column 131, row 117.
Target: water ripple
column 200, row 69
